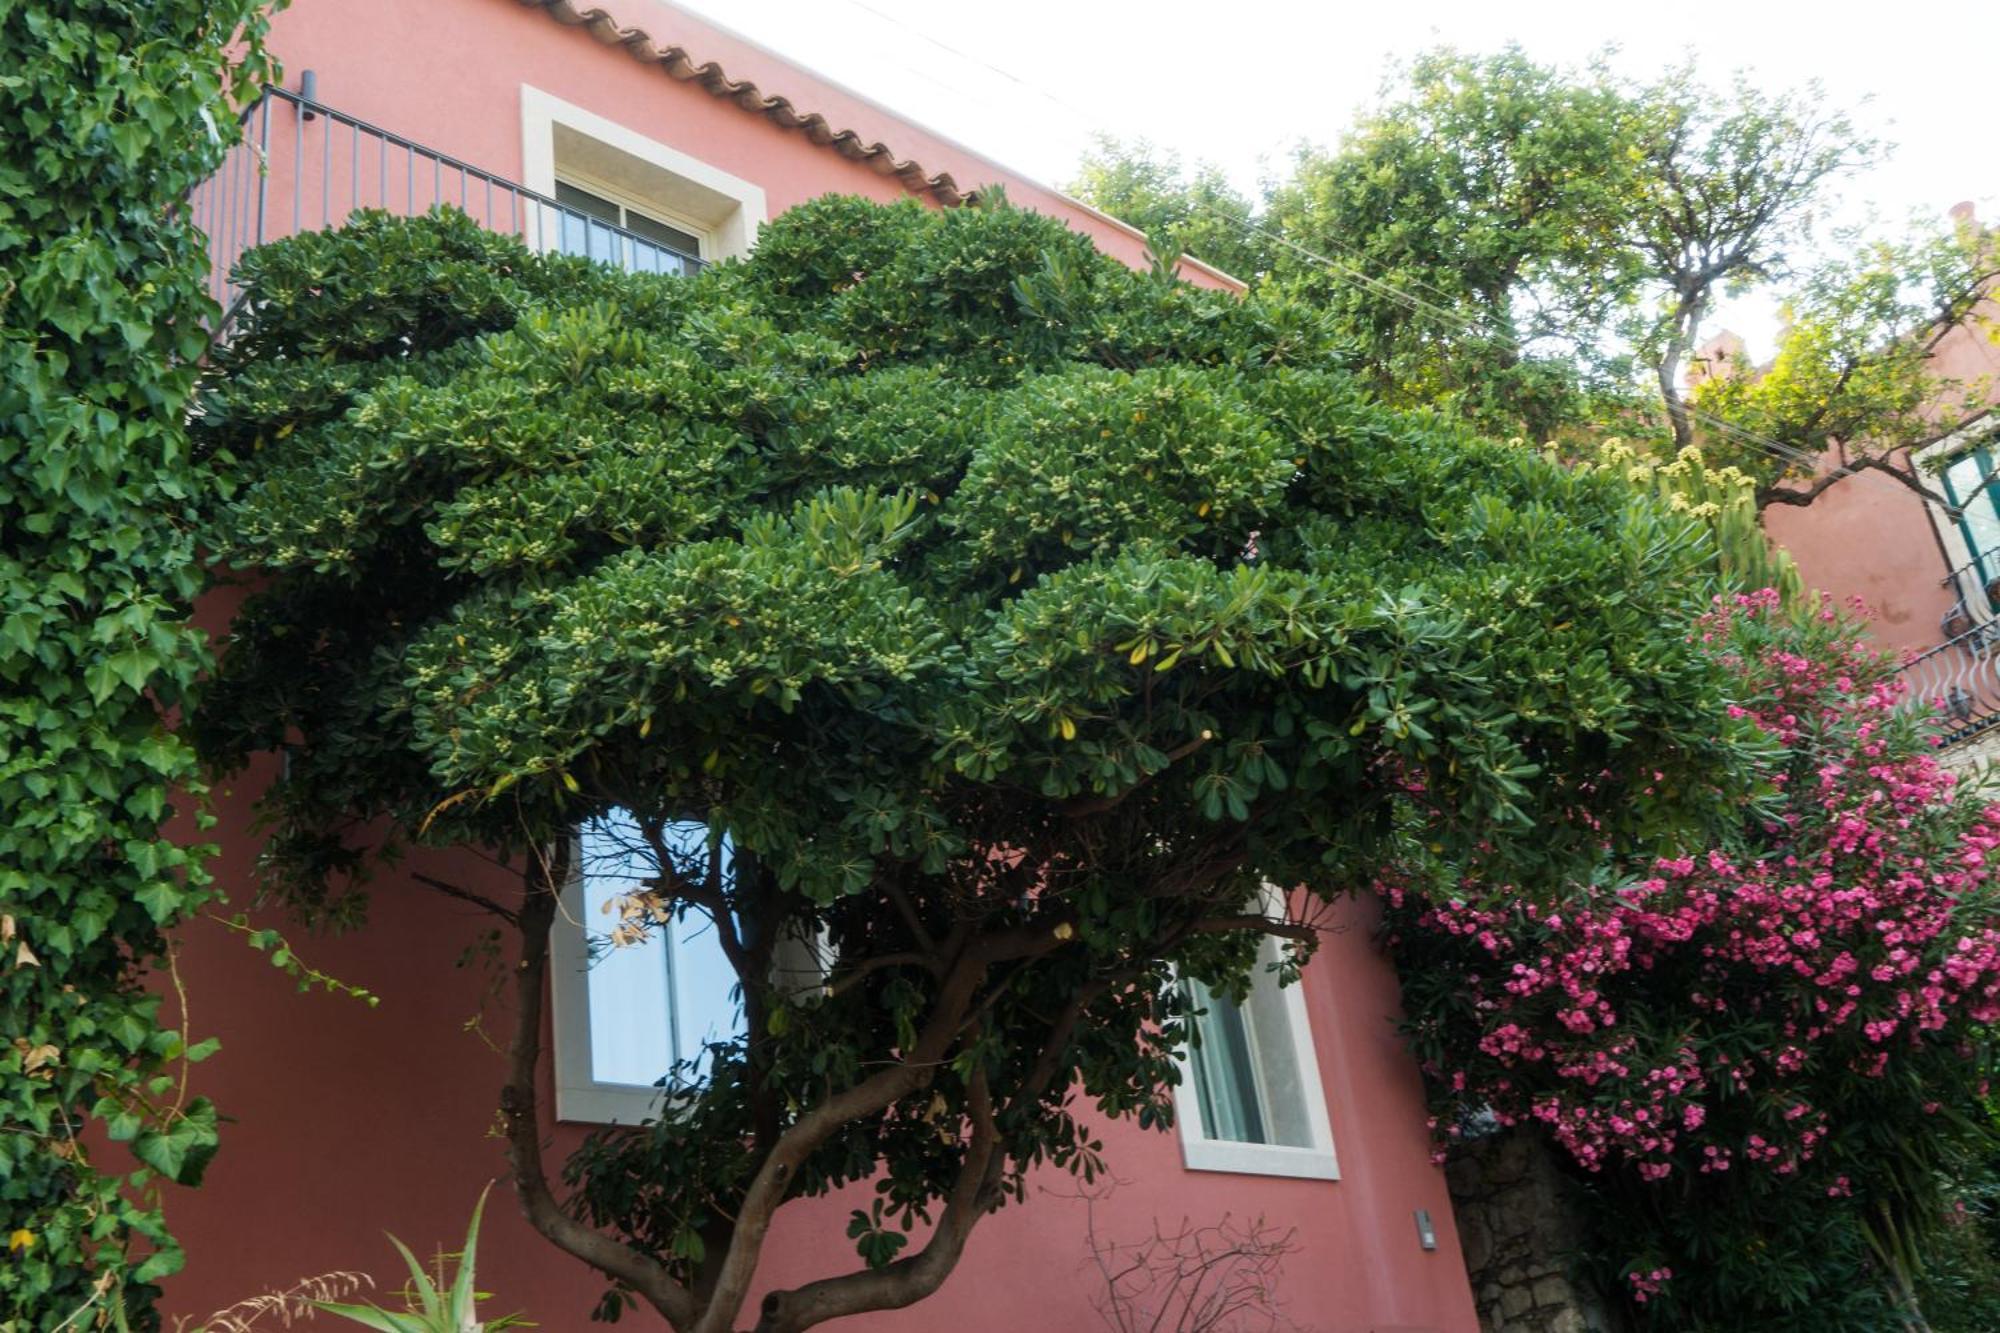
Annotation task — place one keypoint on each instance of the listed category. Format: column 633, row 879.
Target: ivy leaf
column 181, row 1150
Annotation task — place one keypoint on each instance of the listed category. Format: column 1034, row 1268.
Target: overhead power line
column 1788, row 454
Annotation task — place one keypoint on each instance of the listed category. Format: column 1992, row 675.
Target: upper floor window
column 1250, row 1098
column 633, row 1020
column 626, row 198
column 608, row 227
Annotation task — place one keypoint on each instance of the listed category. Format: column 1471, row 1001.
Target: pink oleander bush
column 1795, row 1016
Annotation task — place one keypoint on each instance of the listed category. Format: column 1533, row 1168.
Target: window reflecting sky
column 653, row 1004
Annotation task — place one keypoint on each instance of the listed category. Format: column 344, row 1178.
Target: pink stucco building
column 665, row 143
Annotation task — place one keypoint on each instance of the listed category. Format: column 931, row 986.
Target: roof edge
column 680, row 64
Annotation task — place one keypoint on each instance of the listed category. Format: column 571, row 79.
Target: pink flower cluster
column 1648, row 1284
column 1838, row 935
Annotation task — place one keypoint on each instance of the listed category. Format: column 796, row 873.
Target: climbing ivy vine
column 111, row 111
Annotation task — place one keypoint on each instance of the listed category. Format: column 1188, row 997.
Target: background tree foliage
column 1537, row 249
column 934, row 588
column 1854, row 372
column 1490, row 190
column 109, row 113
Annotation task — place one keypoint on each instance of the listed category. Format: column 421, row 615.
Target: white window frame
column 1950, row 534
column 581, row 1097
column 1315, row 1162
column 724, row 210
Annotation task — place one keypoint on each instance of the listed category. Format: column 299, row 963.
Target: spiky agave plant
column 431, row 1306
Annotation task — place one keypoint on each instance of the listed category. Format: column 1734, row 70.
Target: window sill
column 1259, row 1159
column 608, row 1104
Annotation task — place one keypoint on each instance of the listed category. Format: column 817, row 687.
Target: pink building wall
column 449, row 73
column 1869, row 537
column 345, row 1121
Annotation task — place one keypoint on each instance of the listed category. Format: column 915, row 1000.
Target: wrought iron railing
column 1975, row 583
column 303, row 166
column 1961, row 679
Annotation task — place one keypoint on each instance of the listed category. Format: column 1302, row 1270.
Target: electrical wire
column 1787, row 454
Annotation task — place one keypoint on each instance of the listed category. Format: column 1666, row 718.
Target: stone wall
column 1517, row 1228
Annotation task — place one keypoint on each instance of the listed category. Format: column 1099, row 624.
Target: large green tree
column 1007, row 618
column 1195, row 210
column 1471, row 228
column 1541, row 250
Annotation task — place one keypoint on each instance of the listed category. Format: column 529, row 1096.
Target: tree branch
column 478, row 900
column 644, row 1275
column 908, row 911
column 975, row 1193
column 774, row 1175
column 869, row 966
column 1783, row 495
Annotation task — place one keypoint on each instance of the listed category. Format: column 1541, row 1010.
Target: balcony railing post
column 263, row 165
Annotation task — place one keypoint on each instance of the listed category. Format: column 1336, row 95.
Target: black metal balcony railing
column 1961, row 677
column 303, row 166
column 1975, row 583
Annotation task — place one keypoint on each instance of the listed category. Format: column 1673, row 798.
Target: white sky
column 1237, row 82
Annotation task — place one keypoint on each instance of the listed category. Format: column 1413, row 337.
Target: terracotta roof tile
column 681, row 65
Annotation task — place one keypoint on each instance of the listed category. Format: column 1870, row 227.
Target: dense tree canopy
column 1009, row 616
column 1540, row 250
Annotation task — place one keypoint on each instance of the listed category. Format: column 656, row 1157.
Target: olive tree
column 1008, row 619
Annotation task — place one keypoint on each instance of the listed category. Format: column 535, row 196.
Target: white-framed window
column 663, row 195
column 1250, row 1099
column 632, row 1021
column 601, row 222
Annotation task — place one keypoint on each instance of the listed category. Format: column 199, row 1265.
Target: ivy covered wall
column 110, row 112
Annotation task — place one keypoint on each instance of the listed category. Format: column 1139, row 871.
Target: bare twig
column 1221, row 1277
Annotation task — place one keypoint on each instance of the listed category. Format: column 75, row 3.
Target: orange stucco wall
column 449, row 74
column 1868, row 538
column 346, row 1121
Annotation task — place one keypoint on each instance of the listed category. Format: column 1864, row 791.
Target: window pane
column 1225, row 1076
column 584, row 231
column 1248, row 1084
column 652, row 247
column 645, row 257
column 583, row 201
column 705, row 1006
column 656, row 1003
column 1981, row 521
column 631, row 1039
column 588, row 238
column 673, row 238
column 1283, row 1089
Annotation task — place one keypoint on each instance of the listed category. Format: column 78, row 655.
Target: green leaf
column 368, row 1316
